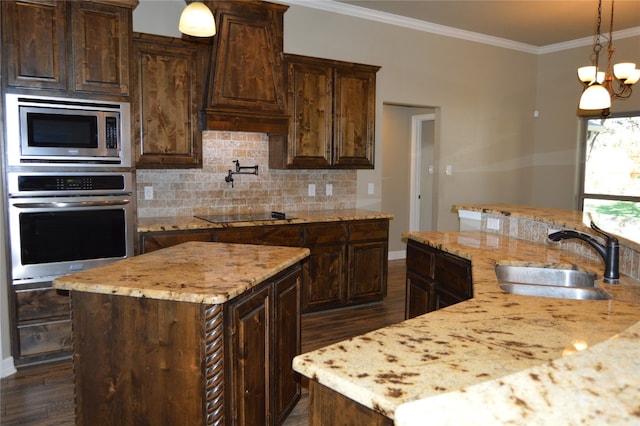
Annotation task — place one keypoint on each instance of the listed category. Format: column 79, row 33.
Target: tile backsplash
column 187, row 192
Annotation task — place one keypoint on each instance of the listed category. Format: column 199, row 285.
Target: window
column 611, row 173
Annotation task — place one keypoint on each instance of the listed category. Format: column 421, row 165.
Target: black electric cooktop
column 243, row 217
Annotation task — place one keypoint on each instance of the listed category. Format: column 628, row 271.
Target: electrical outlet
column 370, row 189
column 312, row 190
column 329, row 190
column 493, row 223
column 148, row 192
column 448, row 170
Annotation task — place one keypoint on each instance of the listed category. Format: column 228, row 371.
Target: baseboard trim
column 396, row 255
column 8, row 368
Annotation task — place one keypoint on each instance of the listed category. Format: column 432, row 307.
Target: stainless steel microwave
column 69, row 132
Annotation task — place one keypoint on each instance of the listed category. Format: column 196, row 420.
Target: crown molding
column 418, row 25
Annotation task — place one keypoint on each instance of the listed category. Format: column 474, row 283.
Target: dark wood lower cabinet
column 167, row 362
column 435, row 279
column 347, row 265
column 42, row 325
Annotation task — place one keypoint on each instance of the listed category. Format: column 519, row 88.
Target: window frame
column 583, row 161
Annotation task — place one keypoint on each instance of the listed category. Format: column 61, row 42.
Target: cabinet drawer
column 41, row 303
column 46, row 337
column 325, row 233
column 267, row 235
column 369, row 230
column 420, row 260
column 454, row 274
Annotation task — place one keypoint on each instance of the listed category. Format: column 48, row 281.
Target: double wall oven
column 70, row 203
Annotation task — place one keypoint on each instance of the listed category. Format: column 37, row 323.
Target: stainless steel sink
column 549, row 282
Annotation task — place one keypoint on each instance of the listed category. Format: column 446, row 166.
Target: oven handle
column 61, row 204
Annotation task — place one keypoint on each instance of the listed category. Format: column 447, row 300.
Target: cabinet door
column 325, row 283
column 325, row 279
column 249, row 355
column 100, row 44
column 368, row 247
column 311, row 108
column 167, row 96
column 367, row 272
column 34, row 44
column 286, row 339
column 453, row 274
column 420, row 297
column 354, row 118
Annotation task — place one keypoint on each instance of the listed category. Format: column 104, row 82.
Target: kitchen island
column 408, row 371
column 199, row 334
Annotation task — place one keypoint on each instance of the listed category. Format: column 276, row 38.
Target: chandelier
column 601, row 87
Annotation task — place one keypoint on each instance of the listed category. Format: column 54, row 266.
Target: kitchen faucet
column 610, row 251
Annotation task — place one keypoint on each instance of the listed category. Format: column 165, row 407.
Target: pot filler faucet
column 610, row 251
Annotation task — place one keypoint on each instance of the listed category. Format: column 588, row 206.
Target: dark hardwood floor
column 43, row 395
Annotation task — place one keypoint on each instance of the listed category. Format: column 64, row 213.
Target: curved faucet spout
column 610, row 251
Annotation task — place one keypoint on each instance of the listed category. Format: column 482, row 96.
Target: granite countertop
column 487, row 339
column 196, row 272
column 154, row 224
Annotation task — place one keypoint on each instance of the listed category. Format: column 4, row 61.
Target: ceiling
column 532, row 22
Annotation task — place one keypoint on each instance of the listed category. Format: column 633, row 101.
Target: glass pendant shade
column 587, row 74
column 197, row 20
column 623, row 70
column 595, row 97
column 633, row 77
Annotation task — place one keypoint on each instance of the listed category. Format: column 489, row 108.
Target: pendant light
column 197, row 20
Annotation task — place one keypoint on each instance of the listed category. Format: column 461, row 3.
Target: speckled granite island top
column 197, row 272
column 156, row 224
column 491, row 336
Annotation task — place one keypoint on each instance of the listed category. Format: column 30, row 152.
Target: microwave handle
column 62, row 204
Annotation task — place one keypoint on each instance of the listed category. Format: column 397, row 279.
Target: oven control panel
column 30, row 184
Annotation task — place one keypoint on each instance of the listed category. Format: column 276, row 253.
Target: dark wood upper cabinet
column 245, row 81
column 332, row 109
column 34, row 44
column 68, row 47
column 100, row 47
column 167, row 97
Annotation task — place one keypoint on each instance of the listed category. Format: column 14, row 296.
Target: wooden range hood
column 244, row 83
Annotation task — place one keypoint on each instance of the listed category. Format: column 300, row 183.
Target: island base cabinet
column 434, row 279
column 328, row 407
column 137, row 360
column 146, row 361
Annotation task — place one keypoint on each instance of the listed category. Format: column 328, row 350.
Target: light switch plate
column 370, row 189
column 312, row 190
column 329, row 190
column 148, row 192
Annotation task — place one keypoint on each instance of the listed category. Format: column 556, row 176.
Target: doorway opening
column 409, row 171
column 423, row 201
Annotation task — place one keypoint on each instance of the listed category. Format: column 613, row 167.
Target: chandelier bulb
column 595, row 97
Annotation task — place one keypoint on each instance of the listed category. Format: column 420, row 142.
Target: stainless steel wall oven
column 65, row 222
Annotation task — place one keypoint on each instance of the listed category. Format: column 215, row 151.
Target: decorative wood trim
column 214, row 364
